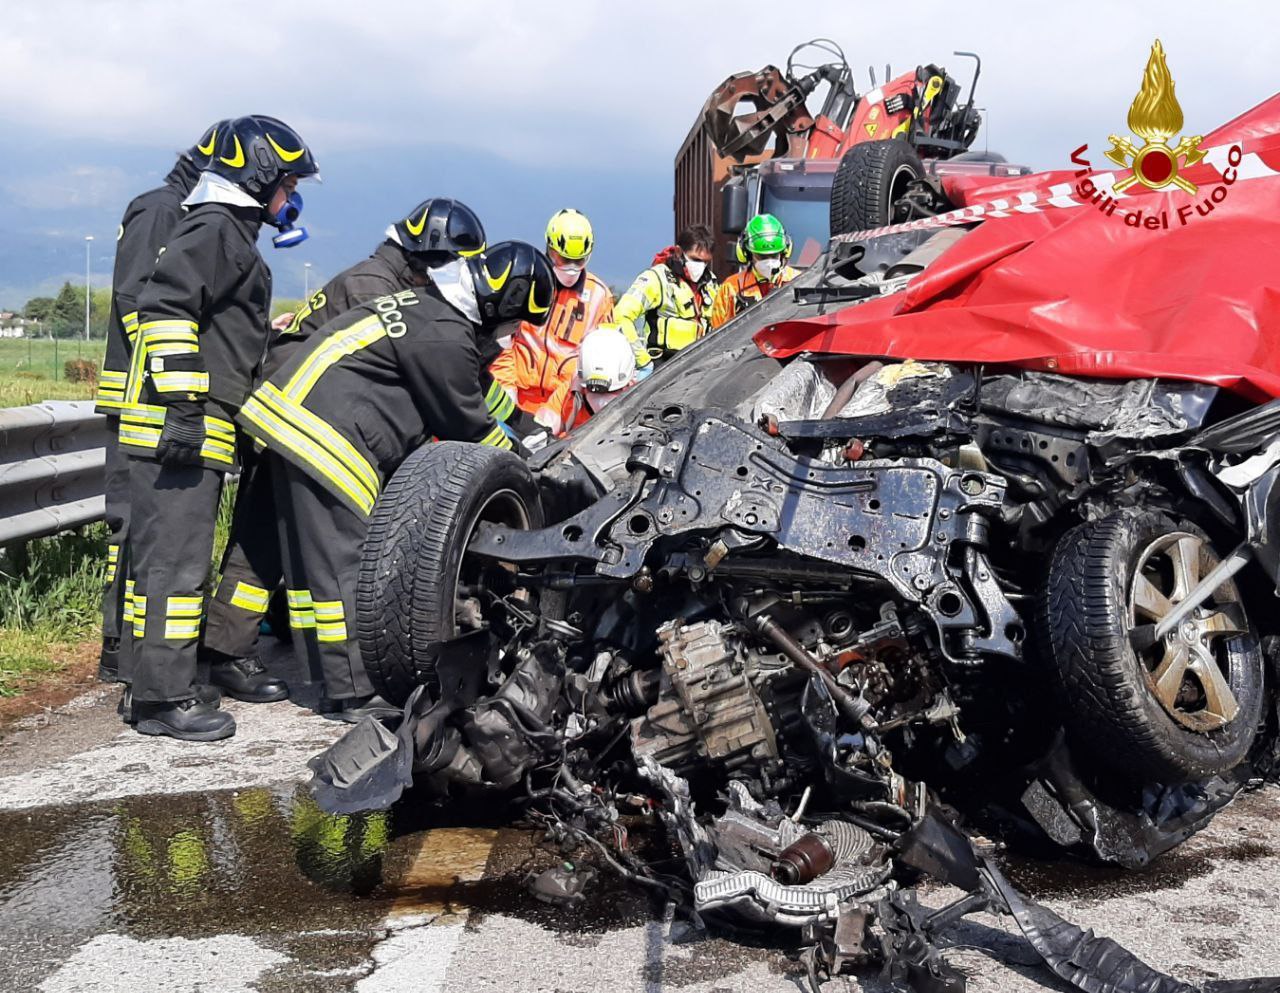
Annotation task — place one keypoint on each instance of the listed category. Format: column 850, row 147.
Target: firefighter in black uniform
column 435, row 232
column 144, row 229
column 202, row 333
column 344, row 411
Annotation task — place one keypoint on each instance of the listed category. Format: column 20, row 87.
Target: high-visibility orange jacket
column 742, row 289
column 565, row 409
column 540, row 358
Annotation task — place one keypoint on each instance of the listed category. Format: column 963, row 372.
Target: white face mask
column 695, row 269
column 453, row 280
column 767, row 268
column 568, row 275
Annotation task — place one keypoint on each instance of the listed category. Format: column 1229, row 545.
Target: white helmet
column 606, row 360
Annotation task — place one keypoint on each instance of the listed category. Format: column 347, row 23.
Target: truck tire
column 409, row 564
column 870, row 178
column 1180, row 711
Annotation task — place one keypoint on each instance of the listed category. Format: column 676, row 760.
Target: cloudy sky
column 521, row 108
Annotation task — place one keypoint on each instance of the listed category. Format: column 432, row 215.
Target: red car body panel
column 1051, row 283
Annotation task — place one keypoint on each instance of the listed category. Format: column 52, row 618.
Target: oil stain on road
column 265, row 863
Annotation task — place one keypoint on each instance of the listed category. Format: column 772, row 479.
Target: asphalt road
column 129, row 863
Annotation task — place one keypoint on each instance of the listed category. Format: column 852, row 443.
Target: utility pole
column 88, row 243
column 306, row 280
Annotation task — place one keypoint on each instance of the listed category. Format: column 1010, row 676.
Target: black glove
column 183, row 434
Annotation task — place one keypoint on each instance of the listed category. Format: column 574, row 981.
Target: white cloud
column 590, row 84
column 74, row 186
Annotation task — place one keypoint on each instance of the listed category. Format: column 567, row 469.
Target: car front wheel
column 1177, row 709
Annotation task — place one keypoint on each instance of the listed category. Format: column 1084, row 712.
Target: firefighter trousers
column 174, row 514
column 251, row 568
column 116, row 474
column 320, row 537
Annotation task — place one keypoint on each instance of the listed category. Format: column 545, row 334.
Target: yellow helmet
column 569, row 234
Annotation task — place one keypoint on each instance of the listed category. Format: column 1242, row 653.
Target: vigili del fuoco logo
column 1155, row 117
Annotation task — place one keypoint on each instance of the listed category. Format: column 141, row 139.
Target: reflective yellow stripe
column 271, row 429
column 250, row 597
column 137, row 431
column 338, row 345
column 132, row 436
column 128, row 602
column 331, row 624
column 181, row 382
column 113, row 559
column 182, row 630
column 217, row 451
column 499, row 402
column 323, row 433
column 171, row 326
column 164, row 349
column 301, row 610
column 182, row 616
column 139, row 615
column 111, row 386
column 497, row 438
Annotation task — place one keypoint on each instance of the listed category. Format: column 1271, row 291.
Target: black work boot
column 186, row 720
column 109, row 661
column 248, row 680
column 354, row 709
column 209, row 695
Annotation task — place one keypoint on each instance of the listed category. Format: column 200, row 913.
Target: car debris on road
column 914, row 567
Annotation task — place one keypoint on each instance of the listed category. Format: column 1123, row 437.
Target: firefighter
column 346, row 409
column 145, row 227
column 674, row 297
column 539, row 360
column 202, row 331
column 436, row 231
column 763, row 248
column 603, row 369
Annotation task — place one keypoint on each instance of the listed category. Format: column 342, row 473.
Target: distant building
column 13, row 326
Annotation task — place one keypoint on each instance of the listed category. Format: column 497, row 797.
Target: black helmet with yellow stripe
column 441, row 225
column 513, row 282
column 257, row 152
column 201, row 153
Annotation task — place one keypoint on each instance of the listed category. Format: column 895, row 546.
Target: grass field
column 31, row 370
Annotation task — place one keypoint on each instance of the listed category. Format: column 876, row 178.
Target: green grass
column 50, row 597
column 31, row 370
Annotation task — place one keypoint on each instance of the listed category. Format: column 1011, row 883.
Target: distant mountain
column 51, row 197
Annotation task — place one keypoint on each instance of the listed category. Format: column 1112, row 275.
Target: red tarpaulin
column 1070, row 289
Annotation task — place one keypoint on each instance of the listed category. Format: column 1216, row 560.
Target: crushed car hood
column 1051, row 283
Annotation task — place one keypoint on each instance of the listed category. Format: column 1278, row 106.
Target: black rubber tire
column 868, row 177
column 1108, row 708
column 416, row 536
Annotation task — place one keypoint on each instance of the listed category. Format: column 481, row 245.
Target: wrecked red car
column 977, row 528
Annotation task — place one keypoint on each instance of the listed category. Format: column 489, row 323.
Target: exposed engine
column 772, row 634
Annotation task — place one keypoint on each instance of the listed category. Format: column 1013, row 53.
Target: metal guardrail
column 52, row 459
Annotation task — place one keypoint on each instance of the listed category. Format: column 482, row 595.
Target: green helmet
column 764, row 235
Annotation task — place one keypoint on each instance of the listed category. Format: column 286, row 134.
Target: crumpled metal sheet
column 1074, row 954
column 1106, row 409
column 798, row 392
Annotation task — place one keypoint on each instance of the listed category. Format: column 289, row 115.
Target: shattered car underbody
column 793, row 636
column 820, row 618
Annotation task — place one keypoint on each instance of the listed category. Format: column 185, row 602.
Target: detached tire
column 405, row 601
column 1183, row 710
column 871, row 177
